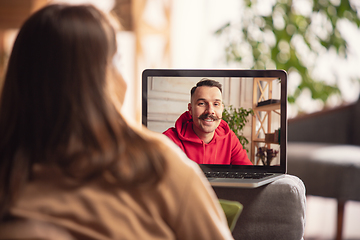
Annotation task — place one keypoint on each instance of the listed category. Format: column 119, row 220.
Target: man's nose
column 210, row 109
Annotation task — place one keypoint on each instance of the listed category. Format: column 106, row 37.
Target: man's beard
column 208, row 115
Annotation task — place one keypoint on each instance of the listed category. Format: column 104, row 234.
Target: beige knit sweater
column 182, row 206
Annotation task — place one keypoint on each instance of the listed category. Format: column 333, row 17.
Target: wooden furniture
column 265, row 103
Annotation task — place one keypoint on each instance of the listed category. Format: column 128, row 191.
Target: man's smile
column 209, row 120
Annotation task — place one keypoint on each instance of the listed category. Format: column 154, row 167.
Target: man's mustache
column 207, row 115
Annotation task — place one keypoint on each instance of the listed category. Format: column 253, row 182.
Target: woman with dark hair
column 70, row 164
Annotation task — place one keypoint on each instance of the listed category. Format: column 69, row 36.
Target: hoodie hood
column 184, row 129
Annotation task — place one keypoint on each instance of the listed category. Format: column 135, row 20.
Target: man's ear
column 190, row 108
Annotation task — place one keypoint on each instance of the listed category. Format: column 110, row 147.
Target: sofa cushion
column 328, row 170
column 273, row 211
column 232, row 210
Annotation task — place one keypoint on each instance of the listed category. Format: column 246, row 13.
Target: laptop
column 166, row 94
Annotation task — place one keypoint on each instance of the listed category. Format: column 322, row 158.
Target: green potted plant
column 237, row 118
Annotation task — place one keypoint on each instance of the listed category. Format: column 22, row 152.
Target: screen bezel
column 281, row 74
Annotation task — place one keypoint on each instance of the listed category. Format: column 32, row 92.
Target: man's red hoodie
column 224, row 148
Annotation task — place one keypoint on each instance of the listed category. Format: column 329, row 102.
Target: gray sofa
column 324, row 151
column 274, row 211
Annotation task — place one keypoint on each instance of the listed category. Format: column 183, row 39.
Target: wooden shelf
column 262, row 140
column 262, row 120
column 268, row 107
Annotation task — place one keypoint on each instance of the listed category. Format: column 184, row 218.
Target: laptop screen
column 255, row 100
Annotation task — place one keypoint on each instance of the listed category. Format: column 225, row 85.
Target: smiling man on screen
column 202, row 134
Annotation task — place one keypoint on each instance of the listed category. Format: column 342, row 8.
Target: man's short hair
column 206, row 82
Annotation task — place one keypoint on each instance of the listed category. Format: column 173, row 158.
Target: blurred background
column 315, row 41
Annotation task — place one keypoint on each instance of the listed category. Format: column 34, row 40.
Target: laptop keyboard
column 236, row 175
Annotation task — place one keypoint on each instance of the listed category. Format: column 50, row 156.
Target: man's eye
column 201, row 104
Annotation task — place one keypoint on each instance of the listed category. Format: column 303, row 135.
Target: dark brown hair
column 206, row 82
column 55, row 110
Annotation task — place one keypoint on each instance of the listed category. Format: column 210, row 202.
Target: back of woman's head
column 55, row 108
column 56, row 72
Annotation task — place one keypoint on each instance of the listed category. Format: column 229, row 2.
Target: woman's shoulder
column 181, row 171
column 174, row 156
